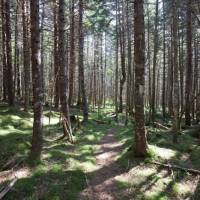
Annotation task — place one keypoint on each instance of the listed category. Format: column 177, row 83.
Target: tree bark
column 10, row 84
column 56, row 66
column 37, row 80
column 176, row 104
column 81, row 66
column 5, row 92
column 139, row 58
column 154, row 64
column 188, row 86
column 72, row 55
column 26, row 54
column 164, row 64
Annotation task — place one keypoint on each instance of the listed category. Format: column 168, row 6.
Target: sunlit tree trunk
column 37, row 80
column 140, row 146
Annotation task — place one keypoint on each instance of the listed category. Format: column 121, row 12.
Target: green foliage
column 98, row 18
column 61, row 172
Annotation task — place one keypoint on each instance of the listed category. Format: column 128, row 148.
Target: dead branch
column 8, row 188
column 67, row 131
column 169, row 166
column 160, row 126
column 5, row 173
column 100, row 122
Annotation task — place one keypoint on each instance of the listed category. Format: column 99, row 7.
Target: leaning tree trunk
column 139, row 58
column 81, row 66
column 37, row 80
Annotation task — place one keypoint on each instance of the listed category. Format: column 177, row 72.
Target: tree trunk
column 176, row 104
column 26, row 54
column 188, row 85
column 154, row 64
column 116, row 63
column 9, row 55
column 56, row 66
column 37, row 80
column 42, row 50
column 164, row 65
column 139, row 58
column 122, row 54
column 16, row 59
column 81, row 66
column 72, row 55
column 5, row 92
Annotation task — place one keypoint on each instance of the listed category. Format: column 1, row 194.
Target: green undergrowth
column 64, row 167
column 146, row 181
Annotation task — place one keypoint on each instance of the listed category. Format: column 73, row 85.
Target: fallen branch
column 8, row 188
column 100, row 122
column 160, row 126
column 169, row 166
column 5, row 173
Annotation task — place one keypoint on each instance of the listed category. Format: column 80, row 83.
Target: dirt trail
column 102, row 185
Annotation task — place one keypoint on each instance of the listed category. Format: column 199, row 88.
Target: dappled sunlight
column 106, row 164
column 163, row 153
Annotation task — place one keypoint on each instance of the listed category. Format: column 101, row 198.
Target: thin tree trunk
column 26, row 54
column 189, row 66
column 154, row 64
column 9, row 55
column 176, row 104
column 123, row 62
column 5, row 92
column 164, row 64
column 81, row 66
column 72, row 55
column 117, row 64
column 42, row 49
column 56, row 66
column 16, row 59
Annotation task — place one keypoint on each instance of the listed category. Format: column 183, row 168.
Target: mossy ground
column 65, row 168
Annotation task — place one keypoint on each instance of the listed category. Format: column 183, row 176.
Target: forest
column 100, row 99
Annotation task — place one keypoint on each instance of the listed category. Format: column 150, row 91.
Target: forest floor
column 100, row 165
column 102, row 185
